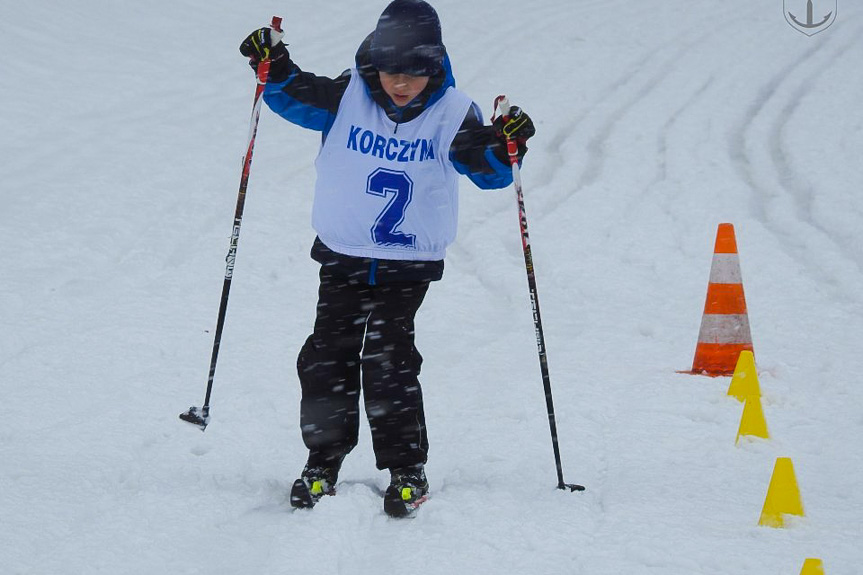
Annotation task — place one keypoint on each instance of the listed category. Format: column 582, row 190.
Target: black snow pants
column 363, row 339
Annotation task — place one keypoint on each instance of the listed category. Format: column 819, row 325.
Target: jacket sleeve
column 479, row 154
column 305, row 99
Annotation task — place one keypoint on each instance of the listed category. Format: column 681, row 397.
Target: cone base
column 715, row 359
column 776, row 521
column 812, row 566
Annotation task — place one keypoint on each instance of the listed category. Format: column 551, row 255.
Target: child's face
column 402, row 88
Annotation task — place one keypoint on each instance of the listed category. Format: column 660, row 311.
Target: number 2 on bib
column 383, row 183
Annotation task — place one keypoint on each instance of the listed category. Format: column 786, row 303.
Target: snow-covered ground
column 122, row 126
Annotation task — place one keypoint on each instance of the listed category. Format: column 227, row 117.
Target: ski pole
column 201, row 417
column 501, row 103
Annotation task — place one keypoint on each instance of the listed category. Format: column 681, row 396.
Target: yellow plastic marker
column 744, row 382
column 812, row 567
column 752, row 421
column 783, row 495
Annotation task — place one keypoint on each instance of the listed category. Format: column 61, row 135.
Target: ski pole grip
column 264, row 65
column 263, row 71
column 501, row 104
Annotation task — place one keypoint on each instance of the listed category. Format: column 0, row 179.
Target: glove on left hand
column 518, row 126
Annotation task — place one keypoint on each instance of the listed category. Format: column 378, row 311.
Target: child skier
column 395, row 135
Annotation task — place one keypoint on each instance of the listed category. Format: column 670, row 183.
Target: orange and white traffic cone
column 724, row 329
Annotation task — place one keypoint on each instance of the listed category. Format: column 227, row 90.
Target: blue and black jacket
column 312, row 102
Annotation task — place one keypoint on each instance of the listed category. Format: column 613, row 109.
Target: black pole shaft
column 223, row 305
column 263, row 71
column 512, row 149
column 540, row 336
column 540, row 346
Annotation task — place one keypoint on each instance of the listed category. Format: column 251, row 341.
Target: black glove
column 263, row 43
column 518, row 126
column 266, row 43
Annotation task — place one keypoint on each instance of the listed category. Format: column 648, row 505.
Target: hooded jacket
column 312, row 102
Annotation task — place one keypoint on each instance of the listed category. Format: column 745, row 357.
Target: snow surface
column 122, row 126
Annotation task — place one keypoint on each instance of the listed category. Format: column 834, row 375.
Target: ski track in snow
column 656, row 121
column 753, row 143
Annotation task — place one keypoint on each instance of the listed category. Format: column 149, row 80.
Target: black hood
column 407, row 39
column 437, row 85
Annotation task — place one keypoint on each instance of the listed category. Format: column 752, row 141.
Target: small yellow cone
column 783, row 495
column 812, row 567
column 752, row 421
column 744, row 382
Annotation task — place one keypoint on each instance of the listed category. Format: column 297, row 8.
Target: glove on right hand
column 262, row 44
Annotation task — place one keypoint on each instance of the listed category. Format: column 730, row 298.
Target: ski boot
column 408, row 490
column 314, row 483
